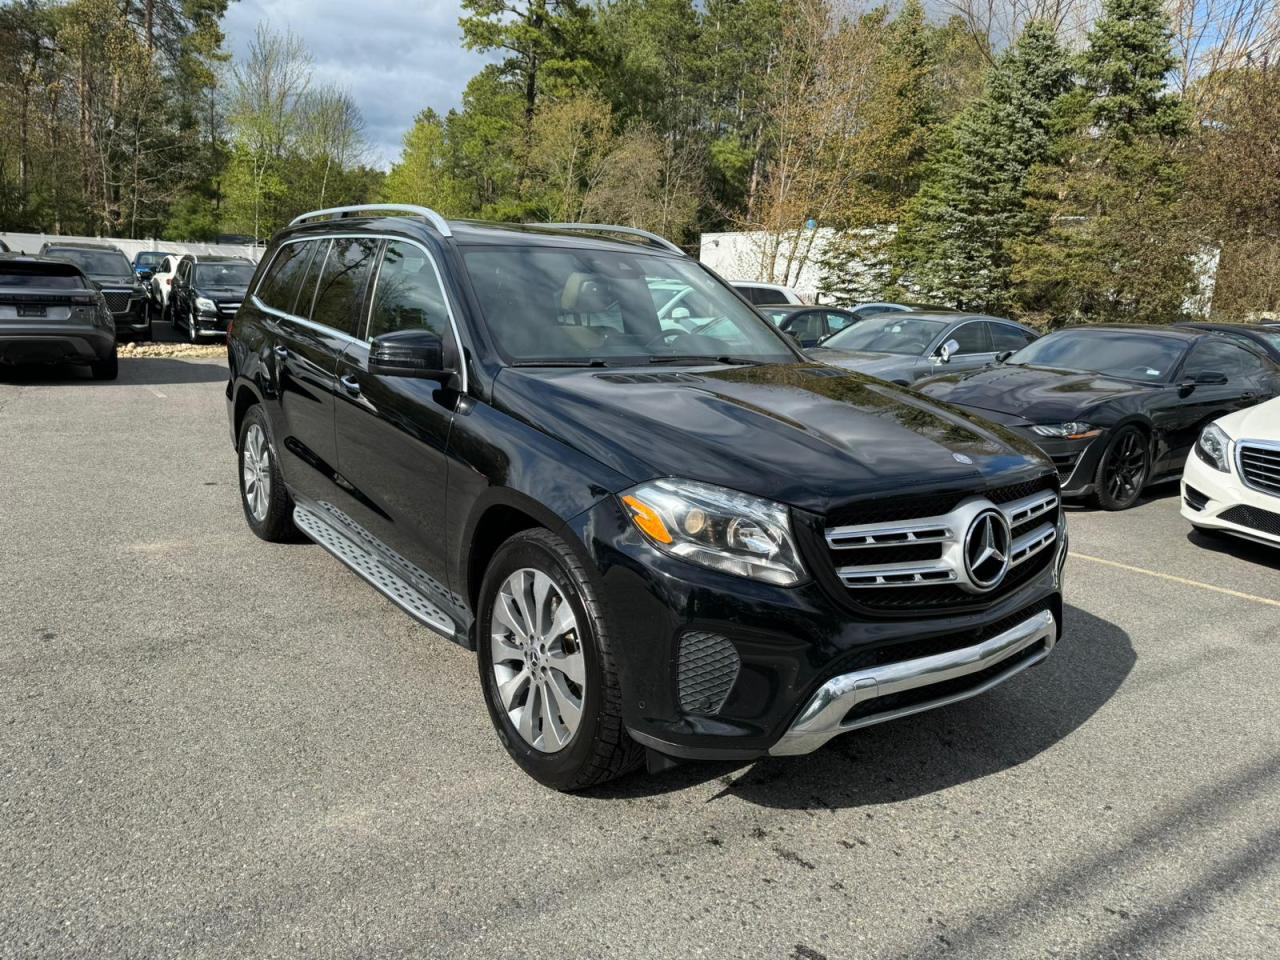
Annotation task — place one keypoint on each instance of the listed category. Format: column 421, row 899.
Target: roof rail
column 652, row 238
column 426, row 213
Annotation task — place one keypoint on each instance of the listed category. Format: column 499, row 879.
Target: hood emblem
column 986, row 550
column 962, row 458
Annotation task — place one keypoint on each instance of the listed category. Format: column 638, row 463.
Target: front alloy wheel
column 193, row 330
column 1123, row 471
column 537, row 660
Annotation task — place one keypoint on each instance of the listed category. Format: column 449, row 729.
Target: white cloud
column 394, row 57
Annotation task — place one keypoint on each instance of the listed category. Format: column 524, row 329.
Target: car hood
column 222, row 292
column 801, row 434
column 886, row 366
column 1256, row 423
column 1033, row 394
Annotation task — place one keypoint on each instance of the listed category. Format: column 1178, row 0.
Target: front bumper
column 1213, row 500
column 788, row 645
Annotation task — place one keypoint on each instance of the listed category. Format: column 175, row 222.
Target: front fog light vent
column 708, row 668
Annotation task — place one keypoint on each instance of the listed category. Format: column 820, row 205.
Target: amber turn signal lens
column 647, row 519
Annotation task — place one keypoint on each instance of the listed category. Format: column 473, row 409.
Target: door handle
column 350, row 384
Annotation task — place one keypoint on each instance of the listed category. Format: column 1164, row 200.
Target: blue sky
column 395, row 57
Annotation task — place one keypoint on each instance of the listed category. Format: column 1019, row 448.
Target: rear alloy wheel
column 546, row 668
column 1123, row 470
column 267, row 505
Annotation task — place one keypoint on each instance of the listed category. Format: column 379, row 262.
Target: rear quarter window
column 278, row 288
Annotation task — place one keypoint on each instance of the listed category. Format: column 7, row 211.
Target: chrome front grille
column 228, row 309
column 905, row 564
column 1259, row 465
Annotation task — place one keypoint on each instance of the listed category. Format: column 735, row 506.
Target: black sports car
column 1116, row 407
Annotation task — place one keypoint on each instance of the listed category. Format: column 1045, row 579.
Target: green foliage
column 1109, row 238
column 954, row 242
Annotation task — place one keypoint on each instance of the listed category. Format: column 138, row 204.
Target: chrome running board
column 824, row 715
column 397, row 579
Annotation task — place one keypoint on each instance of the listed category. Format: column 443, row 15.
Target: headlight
column 717, row 528
column 1212, row 448
column 206, row 305
column 1075, row 430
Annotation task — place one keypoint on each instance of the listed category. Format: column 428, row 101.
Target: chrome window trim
column 435, row 267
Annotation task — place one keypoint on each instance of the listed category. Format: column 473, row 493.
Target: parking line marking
column 1182, row 580
column 157, row 393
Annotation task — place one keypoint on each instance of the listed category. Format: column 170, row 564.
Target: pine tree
column 953, row 245
column 1110, row 240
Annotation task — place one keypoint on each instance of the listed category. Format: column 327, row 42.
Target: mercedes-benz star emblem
column 986, row 550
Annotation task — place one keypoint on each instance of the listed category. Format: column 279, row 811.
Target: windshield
column 894, row 333
column 149, row 258
column 553, row 305
column 99, row 263
column 223, row 274
column 1113, row 353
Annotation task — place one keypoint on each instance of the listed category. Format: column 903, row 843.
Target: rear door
column 393, row 432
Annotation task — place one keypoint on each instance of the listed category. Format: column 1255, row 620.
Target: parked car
column 161, row 283
column 658, row 542
column 206, row 293
column 907, row 347
column 1232, row 484
column 145, row 263
column 766, row 294
column 809, row 326
column 50, row 312
column 1256, row 335
column 1116, row 407
column 112, row 273
column 872, row 307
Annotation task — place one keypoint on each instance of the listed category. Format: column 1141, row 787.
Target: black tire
column 171, row 314
column 1123, row 470
column 275, row 525
column 193, row 329
column 600, row 750
column 108, row 368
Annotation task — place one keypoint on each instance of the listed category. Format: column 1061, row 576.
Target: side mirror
column 948, row 350
column 1004, row 355
column 1211, row 378
column 408, row 353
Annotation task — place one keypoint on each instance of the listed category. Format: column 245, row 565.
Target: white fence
column 31, row 243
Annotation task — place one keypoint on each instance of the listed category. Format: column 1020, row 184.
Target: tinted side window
column 1218, row 356
column 306, row 296
column 1005, row 337
column 342, row 281
column 407, row 294
column 972, row 338
column 279, row 286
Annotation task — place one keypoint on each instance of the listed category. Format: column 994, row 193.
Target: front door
column 393, row 432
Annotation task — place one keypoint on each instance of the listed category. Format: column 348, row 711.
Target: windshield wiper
column 677, row 358
column 560, row 363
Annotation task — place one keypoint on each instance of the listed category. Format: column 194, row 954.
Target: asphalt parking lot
column 215, row 747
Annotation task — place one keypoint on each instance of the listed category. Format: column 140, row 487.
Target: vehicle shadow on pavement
column 1236, row 547
column 932, row 751
column 158, row 371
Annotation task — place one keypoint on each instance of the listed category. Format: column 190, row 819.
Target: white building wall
column 744, row 256
column 31, row 242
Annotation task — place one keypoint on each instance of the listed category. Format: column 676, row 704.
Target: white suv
column 766, row 293
column 162, row 282
column 1232, row 482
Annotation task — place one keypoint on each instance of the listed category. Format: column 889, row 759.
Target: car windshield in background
column 1113, row 353
column 96, row 263
column 223, row 274
column 889, row 333
column 546, row 305
column 149, row 259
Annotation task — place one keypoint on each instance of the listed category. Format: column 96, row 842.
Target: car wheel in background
column 107, row 369
column 193, row 331
column 545, row 666
column 1123, row 469
column 268, row 508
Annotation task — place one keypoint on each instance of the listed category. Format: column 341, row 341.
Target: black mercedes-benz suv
column 112, row 273
column 685, row 544
column 206, row 293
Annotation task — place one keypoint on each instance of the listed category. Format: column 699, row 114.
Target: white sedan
column 162, row 281
column 1231, row 482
